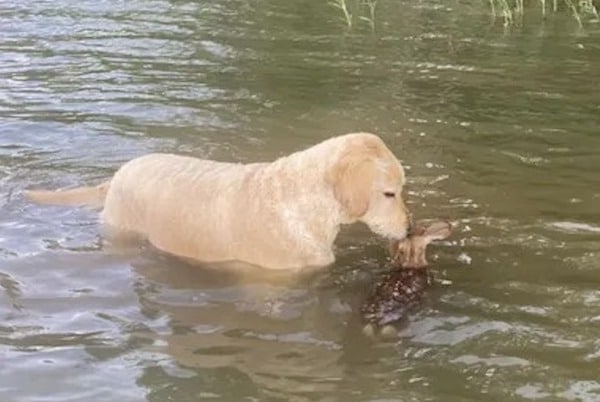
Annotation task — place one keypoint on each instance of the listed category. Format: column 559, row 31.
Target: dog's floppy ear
column 352, row 179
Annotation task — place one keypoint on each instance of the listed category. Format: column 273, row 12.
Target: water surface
column 498, row 130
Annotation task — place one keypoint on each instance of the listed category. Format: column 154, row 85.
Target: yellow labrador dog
column 284, row 214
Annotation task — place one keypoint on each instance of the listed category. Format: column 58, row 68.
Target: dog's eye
column 389, row 194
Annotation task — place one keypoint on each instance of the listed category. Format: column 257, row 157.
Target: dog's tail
column 84, row 196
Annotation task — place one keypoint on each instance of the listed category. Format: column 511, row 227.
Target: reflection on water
column 498, row 130
column 283, row 340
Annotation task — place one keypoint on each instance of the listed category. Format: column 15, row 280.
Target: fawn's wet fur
column 402, row 289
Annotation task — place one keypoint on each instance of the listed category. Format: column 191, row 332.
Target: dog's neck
column 305, row 197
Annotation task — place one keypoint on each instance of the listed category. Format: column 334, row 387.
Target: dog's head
column 367, row 181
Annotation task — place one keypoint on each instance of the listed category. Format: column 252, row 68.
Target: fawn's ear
column 437, row 231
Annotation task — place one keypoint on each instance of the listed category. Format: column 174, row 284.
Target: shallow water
column 498, row 130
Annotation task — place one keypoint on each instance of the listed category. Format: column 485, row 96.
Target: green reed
column 365, row 9
column 343, row 7
column 510, row 10
column 371, row 5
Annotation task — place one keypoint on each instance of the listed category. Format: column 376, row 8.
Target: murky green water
column 500, row 133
